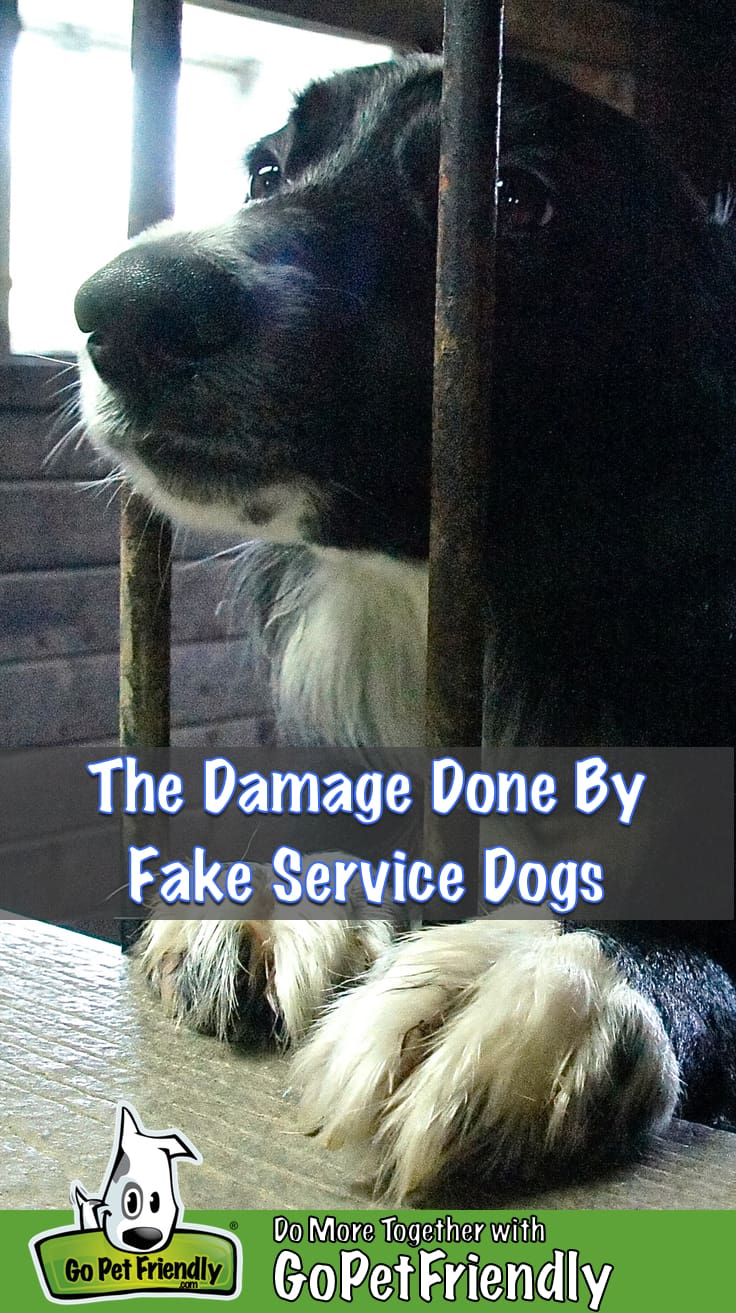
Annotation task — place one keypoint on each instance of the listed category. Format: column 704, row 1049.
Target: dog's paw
column 253, row 981
column 213, row 975
column 516, row 1048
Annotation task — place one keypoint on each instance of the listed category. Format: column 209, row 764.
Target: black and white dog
column 273, row 375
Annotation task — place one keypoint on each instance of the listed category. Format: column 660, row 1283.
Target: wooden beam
column 417, row 26
column 596, row 32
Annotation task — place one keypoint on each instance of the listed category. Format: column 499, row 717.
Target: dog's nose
column 142, row 1237
column 152, row 310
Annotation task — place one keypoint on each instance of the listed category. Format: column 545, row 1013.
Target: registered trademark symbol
column 233, row 1226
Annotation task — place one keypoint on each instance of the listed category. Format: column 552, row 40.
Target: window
column 71, row 136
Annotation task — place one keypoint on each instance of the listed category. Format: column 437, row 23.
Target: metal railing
column 464, row 316
column 145, row 538
column 462, row 384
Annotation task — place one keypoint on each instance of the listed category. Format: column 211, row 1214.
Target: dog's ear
column 89, row 1210
column 177, row 1146
column 128, row 1127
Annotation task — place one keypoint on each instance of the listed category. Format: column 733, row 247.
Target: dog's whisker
column 71, row 435
column 99, row 486
column 352, row 492
column 113, row 495
column 58, row 449
column 378, row 508
column 51, row 360
column 67, row 415
column 235, row 552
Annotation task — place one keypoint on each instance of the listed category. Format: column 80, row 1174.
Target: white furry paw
column 515, row 1047
column 252, row 981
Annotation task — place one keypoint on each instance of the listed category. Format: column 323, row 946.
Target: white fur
column 486, row 1038
column 352, row 667
column 287, row 505
column 213, row 953
column 300, row 963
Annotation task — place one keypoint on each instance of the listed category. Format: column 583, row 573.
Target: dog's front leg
column 506, row 1045
column 253, row 981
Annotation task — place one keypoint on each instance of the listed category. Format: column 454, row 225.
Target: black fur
column 308, row 353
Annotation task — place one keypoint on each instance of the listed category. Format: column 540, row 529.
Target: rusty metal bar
column 9, row 30
column 145, row 539
column 145, row 536
column 156, row 60
column 465, row 305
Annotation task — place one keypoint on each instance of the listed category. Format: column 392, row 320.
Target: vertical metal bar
column 462, row 429
column 156, row 61
column 9, row 29
column 145, row 544
column 145, row 537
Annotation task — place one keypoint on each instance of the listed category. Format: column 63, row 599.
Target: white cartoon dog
column 139, row 1202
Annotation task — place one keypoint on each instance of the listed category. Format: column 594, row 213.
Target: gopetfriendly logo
column 127, row 1240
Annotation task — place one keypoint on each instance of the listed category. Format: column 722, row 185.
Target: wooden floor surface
column 76, row 1034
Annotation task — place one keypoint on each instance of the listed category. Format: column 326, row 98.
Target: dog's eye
column 155, row 1202
column 132, row 1201
column 524, row 202
column 265, row 179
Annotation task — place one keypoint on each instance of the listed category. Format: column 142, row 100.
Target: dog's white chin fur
column 352, row 666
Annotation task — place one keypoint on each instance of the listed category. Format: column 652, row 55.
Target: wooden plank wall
column 59, row 598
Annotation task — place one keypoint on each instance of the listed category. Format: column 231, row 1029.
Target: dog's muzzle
column 155, row 311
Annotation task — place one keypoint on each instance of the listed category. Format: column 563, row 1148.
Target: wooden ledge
column 76, row 1035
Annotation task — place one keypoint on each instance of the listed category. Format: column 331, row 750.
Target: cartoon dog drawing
column 139, row 1203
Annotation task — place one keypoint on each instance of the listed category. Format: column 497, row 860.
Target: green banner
column 615, row 1261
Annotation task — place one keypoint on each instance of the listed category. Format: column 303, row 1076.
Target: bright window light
column 71, row 137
